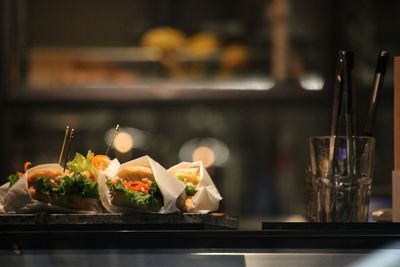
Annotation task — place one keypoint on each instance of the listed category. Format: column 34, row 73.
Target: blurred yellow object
column 166, row 38
column 202, row 45
column 233, row 58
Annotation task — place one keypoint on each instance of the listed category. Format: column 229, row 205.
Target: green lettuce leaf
column 81, row 163
column 13, row 178
column 153, row 201
column 42, row 185
column 190, row 190
column 76, row 184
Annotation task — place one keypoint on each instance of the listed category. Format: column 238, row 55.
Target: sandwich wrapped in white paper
column 22, row 197
column 140, row 185
column 202, row 194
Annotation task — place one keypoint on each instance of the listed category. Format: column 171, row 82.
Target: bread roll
column 134, row 173
column 188, row 203
column 202, row 45
column 189, row 175
column 73, row 202
column 50, row 173
column 165, row 38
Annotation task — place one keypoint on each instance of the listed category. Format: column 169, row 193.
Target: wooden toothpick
column 71, row 136
column 112, row 139
column 63, row 144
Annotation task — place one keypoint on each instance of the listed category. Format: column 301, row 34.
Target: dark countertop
column 126, row 236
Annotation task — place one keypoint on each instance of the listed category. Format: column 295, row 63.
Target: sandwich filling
column 80, row 179
column 135, row 187
column 191, row 178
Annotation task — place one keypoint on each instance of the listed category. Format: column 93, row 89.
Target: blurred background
column 239, row 84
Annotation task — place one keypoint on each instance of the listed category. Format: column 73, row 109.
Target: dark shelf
column 285, row 93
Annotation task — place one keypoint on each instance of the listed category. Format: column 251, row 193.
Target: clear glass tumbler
column 340, row 179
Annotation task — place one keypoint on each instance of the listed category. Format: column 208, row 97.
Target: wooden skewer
column 63, row 144
column 112, row 139
column 71, row 136
column 397, row 114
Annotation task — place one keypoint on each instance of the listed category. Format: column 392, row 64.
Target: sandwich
column 134, row 187
column 191, row 178
column 68, row 189
column 49, row 183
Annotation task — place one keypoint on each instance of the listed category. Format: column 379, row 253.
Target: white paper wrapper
column 3, row 191
column 207, row 197
column 170, row 187
column 19, row 200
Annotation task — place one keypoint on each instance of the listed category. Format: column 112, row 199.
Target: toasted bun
column 191, row 175
column 50, row 173
column 73, row 202
column 32, row 191
column 46, row 172
column 133, row 173
column 188, row 203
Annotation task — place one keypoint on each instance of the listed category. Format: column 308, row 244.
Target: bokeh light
column 204, row 154
column 123, row 142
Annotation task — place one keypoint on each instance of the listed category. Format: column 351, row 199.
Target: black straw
column 349, row 110
column 338, row 94
column 337, row 109
column 349, row 99
column 379, row 77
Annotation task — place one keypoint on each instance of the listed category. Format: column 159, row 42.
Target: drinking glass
column 339, row 185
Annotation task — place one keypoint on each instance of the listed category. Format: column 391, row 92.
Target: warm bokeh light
column 209, row 150
column 204, row 154
column 312, row 82
column 123, row 142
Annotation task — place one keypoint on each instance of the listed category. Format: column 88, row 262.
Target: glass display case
column 239, row 84
column 170, row 44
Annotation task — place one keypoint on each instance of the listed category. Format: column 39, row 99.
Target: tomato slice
column 137, row 186
column 27, row 165
column 100, row 162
